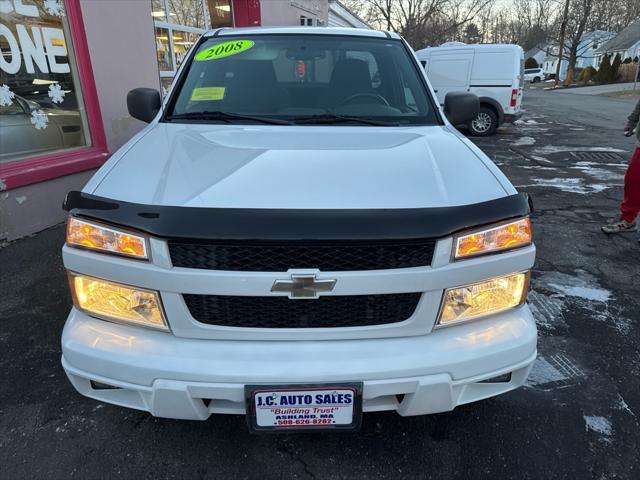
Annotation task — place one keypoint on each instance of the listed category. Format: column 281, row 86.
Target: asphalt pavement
column 576, row 418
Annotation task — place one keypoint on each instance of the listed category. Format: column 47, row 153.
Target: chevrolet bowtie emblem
column 303, row 286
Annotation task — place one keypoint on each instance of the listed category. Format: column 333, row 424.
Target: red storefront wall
column 246, row 13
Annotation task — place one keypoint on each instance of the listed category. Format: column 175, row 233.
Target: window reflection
column 157, row 10
column 178, row 25
column 189, row 13
column 182, row 42
column 40, row 99
column 220, row 13
column 164, row 50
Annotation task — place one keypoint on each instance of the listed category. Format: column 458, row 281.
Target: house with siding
column 626, row 43
column 538, row 53
column 587, row 48
column 341, row 16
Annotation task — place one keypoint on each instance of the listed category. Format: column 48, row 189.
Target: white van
column 495, row 73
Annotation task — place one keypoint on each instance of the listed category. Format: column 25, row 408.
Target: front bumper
column 188, row 378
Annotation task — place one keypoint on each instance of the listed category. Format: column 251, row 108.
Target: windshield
column 310, row 79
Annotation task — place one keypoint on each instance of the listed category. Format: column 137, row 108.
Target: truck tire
column 485, row 124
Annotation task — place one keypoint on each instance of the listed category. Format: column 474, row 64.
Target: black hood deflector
column 295, row 224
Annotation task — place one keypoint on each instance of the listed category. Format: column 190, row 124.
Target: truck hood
column 310, row 167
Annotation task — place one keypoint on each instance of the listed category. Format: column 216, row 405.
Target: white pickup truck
column 299, row 235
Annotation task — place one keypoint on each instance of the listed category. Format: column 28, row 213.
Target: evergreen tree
column 615, row 67
column 531, row 63
column 605, row 73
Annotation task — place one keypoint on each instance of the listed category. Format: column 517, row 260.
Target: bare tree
column 422, row 22
column 187, row 12
column 576, row 25
column 524, row 22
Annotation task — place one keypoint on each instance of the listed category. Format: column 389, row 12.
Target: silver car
column 18, row 135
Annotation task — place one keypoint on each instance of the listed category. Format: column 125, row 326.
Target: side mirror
column 461, row 107
column 143, row 103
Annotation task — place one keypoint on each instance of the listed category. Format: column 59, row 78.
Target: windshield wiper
column 225, row 117
column 331, row 118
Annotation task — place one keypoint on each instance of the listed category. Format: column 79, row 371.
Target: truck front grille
column 281, row 312
column 281, row 256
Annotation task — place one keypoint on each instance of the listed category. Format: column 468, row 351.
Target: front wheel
column 536, row 80
column 485, row 124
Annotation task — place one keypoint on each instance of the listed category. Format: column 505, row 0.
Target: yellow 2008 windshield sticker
column 225, row 49
column 203, row 94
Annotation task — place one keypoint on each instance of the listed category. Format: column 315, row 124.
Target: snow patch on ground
column 546, row 309
column 538, row 158
column 547, row 149
column 524, row 141
column 593, row 294
column 598, row 424
column 582, row 285
column 568, row 185
column 582, row 289
column 555, row 371
column 538, row 167
column 543, row 372
column 622, row 405
column 530, row 121
column 595, row 170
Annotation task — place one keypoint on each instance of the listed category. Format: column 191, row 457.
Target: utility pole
column 635, row 80
column 563, row 29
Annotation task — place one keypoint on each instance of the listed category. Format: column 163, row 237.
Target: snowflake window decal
column 56, row 94
column 39, row 119
column 54, row 7
column 6, row 95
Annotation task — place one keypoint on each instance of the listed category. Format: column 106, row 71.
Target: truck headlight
column 113, row 301
column 494, row 239
column 483, row 298
column 85, row 234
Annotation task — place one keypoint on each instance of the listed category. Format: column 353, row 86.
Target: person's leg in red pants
column 630, row 206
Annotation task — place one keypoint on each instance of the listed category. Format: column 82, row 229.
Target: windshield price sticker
column 314, row 407
column 225, row 49
column 203, row 94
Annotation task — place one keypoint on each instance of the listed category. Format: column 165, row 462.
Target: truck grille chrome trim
column 281, row 312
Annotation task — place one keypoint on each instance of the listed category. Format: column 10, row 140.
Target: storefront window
column 220, row 13
column 41, row 106
column 163, row 48
column 189, row 13
column 182, row 42
column 158, row 10
column 165, row 82
column 178, row 24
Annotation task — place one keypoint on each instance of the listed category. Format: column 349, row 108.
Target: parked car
column 18, row 135
column 534, row 75
column 298, row 235
column 493, row 72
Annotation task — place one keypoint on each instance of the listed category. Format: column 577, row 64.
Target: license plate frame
column 253, row 391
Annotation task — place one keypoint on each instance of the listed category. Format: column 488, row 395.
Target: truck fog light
column 113, row 301
column 483, row 298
